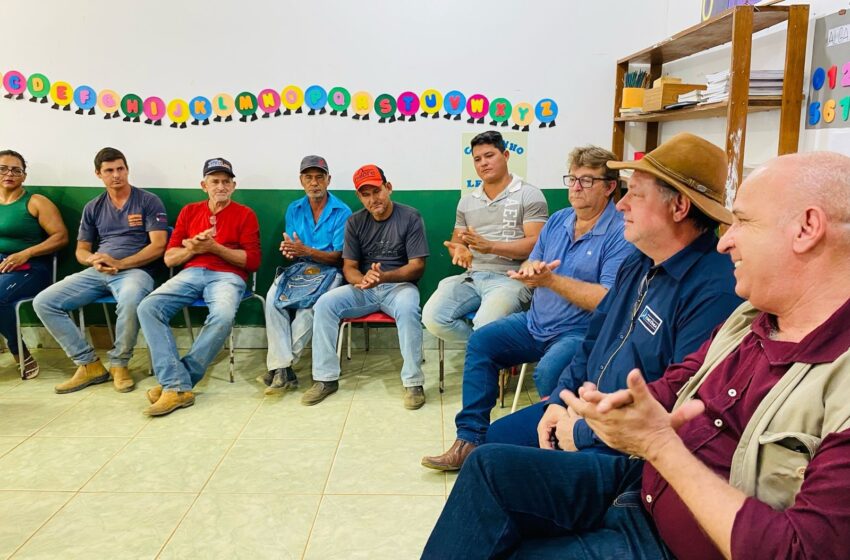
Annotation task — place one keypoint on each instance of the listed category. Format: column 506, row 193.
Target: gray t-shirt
column 121, row 233
column 501, row 219
column 392, row 242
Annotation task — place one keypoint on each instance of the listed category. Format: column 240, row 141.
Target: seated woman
column 31, row 230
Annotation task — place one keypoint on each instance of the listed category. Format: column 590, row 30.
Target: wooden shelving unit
column 735, row 26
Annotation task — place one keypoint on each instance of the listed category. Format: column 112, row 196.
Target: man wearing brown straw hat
column 666, row 301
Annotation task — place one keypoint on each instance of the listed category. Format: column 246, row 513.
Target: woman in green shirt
column 31, row 230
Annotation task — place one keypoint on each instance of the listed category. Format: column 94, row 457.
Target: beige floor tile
column 214, row 415
column 61, row 464
column 109, row 526
column 373, row 527
column 25, row 416
column 160, row 465
column 43, row 387
column 388, row 386
column 249, row 526
column 101, row 414
column 7, row 443
column 274, row 466
column 385, row 467
column 22, row 513
column 379, row 420
column 284, row 417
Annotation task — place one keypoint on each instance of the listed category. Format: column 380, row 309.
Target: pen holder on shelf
column 632, row 98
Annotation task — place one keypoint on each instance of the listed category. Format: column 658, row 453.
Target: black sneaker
column 318, row 392
column 283, row 380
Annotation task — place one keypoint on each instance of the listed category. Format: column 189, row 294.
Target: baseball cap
column 371, row 175
column 314, row 161
column 218, row 165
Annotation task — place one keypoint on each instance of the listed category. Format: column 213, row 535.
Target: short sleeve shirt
column 122, row 233
column 325, row 235
column 501, row 219
column 391, row 242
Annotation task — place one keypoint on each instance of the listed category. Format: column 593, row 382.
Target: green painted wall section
column 437, row 208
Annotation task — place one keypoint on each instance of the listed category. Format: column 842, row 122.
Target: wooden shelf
column 719, row 109
column 709, row 34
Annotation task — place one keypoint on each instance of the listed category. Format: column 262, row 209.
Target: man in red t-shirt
column 218, row 243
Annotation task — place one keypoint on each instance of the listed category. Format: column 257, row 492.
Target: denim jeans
column 288, row 330
column 221, row 291
column 128, row 287
column 494, row 295
column 398, row 300
column 502, row 344
column 516, row 502
column 15, row 286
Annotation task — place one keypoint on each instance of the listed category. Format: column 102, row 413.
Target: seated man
column 668, row 295
column 316, row 226
column 218, row 243
column 129, row 227
column 746, row 442
column 496, row 227
column 574, row 262
column 383, row 258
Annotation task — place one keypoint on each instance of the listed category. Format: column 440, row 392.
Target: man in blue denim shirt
column 666, row 301
column 315, row 230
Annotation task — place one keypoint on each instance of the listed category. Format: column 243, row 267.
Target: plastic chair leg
column 518, row 387
column 441, row 352
column 232, row 356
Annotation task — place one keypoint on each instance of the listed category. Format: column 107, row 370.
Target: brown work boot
column 451, row 460
column 319, row 392
column 414, row 397
column 121, row 379
column 154, row 393
column 170, row 401
column 89, row 374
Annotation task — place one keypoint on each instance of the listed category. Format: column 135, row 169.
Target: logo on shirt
column 134, row 220
column 650, row 320
column 161, row 218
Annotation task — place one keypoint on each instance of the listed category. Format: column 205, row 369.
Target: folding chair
column 18, row 320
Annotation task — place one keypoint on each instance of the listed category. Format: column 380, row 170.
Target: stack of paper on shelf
column 762, row 83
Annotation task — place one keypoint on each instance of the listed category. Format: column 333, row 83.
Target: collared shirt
column 818, row 523
column 328, row 233
column 652, row 317
column 595, row 257
column 501, row 219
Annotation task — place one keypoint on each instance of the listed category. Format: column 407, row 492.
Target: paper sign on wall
column 829, row 86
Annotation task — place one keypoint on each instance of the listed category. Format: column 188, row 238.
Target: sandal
column 31, row 368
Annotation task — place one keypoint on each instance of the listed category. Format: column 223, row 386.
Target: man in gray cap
column 313, row 239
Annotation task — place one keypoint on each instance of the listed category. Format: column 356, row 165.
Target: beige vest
column 787, row 428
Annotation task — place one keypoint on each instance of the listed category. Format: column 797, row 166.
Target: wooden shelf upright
column 735, row 26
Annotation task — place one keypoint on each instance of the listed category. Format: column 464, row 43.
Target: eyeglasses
column 586, row 182
column 319, row 177
column 13, row 171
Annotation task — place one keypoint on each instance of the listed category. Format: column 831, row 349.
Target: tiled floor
column 238, row 475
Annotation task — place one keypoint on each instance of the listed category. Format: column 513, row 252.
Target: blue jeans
column 519, row 428
column 15, row 286
column 128, row 287
column 516, row 502
column 221, row 291
column 288, row 330
column 398, row 300
column 502, row 344
column 494, row 295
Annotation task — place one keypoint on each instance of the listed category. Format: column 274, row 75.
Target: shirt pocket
column 783, row 459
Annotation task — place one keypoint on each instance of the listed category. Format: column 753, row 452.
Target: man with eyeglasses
column 217, row 241
column 573, row 264
column 122, row 233
column 496, row 226
column 313, row 238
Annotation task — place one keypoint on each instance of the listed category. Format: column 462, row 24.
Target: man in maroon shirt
column 746, row 442
column 218, row 243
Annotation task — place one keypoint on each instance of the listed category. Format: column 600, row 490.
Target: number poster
column 829, row 85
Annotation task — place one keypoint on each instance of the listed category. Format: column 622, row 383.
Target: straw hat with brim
column 694, row 167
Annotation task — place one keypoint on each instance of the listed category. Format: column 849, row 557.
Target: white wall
column 768, row 53
column 519, row 50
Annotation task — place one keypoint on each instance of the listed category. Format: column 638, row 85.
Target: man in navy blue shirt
column 122, row 232
column 573, row 264
column 666, row 301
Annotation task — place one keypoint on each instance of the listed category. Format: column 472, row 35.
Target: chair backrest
column 55, row 266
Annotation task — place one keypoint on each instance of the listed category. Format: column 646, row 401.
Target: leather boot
column 154, row 393
column 451, row 460
column 89, row 374
column 121, row 379
column 170, row 401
